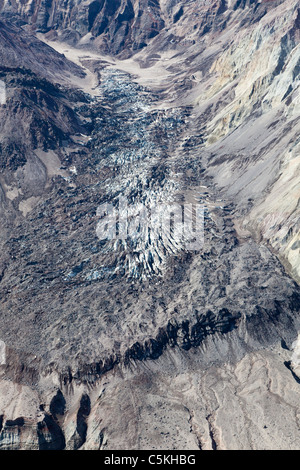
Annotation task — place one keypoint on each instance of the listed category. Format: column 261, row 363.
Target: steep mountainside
column 125, row 26
column 137, row 341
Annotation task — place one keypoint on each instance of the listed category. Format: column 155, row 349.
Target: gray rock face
column 138, row 341
column 120, row 25
column 19, row 49
column 123, row 27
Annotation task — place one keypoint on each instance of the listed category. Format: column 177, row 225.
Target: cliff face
column 115, row 26
column 124, row 27
column 166, row 104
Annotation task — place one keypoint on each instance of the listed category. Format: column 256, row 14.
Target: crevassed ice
column 2, row 92
column 2, row 353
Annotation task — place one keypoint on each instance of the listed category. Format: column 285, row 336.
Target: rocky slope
column 114, row 26
column 124, row 27
column 141, row 343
